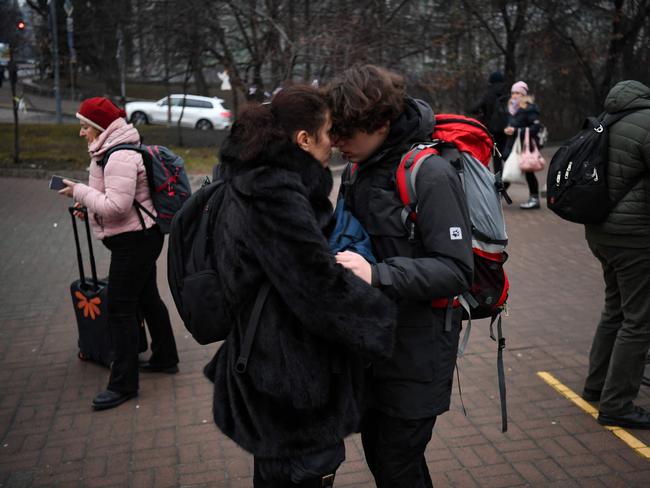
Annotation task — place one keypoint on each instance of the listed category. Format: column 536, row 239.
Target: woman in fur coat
column 301, row 392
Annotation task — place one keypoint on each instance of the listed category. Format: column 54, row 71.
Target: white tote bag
column 511, row 171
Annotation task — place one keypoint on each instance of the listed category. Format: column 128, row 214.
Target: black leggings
column 533, row 186
column 132, row 285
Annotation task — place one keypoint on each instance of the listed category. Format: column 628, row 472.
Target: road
column 37, row 109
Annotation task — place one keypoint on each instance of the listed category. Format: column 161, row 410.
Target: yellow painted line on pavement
column 639, row 447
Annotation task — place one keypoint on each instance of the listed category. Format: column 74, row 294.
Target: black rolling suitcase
column 89, row 299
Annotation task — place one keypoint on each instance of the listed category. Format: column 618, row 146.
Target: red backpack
column 468, row 146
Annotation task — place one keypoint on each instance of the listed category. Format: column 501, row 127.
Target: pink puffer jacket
column 111, row 190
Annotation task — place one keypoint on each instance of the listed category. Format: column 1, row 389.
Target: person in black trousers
column 621, row 244
column 135, row 242
column 374, row 125
column 299, row 394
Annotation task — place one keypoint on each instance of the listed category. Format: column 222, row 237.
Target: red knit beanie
column 99, row 112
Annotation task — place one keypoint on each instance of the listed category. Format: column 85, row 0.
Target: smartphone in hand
column 56, row 183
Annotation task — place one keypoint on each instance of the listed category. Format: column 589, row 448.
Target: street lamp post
column 69, row 23
column 55, row 56
column 13, row 79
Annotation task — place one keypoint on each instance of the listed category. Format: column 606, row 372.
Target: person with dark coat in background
column 374, row 125
column 622, row 245
column 524, row 114
column 491, row 111
column 301, row 393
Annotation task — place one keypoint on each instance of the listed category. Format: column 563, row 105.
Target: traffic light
column 20, row 25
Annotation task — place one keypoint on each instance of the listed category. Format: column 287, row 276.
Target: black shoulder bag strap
column 251, row 330
column 137, row 148
column 501, row 345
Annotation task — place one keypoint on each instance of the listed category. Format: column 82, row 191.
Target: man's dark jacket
column 628, row 224
column 416, row 382
column 526, row 117
column 320, row 324
column 484, row 108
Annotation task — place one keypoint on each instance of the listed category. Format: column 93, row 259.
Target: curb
column 41, row 173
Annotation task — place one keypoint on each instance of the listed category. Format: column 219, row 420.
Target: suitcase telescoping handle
column 93, row 269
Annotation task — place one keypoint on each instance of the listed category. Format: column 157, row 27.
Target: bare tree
column 583, row 26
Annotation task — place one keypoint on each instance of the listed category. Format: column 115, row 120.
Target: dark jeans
column 622, row 339
column 132, row 284
column 306, row 471
column 394, row 449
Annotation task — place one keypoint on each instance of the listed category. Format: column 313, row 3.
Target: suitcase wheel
column 81, row 355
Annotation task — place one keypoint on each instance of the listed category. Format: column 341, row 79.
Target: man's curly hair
column 365, row 98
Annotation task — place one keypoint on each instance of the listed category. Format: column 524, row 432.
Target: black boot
column 110, row 399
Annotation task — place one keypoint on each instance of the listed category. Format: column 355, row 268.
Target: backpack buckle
column 327, row 481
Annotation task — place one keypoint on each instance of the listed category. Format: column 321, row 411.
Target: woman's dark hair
column 298, row 107
column 365, row 98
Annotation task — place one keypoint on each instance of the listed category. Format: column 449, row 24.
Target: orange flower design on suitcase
column 90, row 307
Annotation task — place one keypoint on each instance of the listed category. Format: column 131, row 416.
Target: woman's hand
column 509, row 130
column 68, row 191
column 78, row 213
column 355, row 263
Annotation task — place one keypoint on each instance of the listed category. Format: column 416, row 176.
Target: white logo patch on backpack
column 455, row 233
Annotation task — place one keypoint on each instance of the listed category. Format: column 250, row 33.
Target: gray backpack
column 489, row 239
column 465, row 140
column 167, row 179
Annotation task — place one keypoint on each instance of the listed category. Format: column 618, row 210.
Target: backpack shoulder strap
column 407, row 171
column 120, row 147
column 247, row 343
column 605, row 120
column 138, row 148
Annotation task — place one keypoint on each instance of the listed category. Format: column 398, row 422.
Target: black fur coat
column 303, row 387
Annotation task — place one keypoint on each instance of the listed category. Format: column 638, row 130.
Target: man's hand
column 355, row 263
column 68, row 191
column 509, row 130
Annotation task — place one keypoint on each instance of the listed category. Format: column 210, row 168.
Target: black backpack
column 193, row 275
column 576, row 183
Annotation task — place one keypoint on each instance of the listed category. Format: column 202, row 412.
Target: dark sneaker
column 638, row 418
column 590, row 395
column 109, row 399
column 533, row 202
column 147, row 367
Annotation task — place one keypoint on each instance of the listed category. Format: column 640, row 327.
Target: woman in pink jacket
column 135, row 242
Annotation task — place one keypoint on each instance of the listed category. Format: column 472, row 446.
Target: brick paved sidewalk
column 49, row 436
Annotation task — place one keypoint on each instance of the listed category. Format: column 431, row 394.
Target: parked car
column 203, row 113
